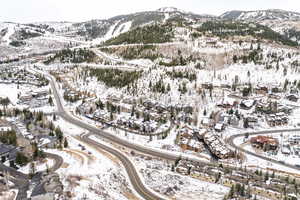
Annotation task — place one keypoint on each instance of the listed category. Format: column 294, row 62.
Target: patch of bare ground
column 65, row 165
column 75, row 155
column 129, row 195
column 89, row 157
column 106, row 154
column 8, row 195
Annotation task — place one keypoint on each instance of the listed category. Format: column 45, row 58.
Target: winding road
column 233, row 137
column 132, row 172
column 129, row 166
column 21, row 180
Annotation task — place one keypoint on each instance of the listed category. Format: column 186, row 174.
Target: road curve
column 131, row 171
column 133, row 174
column 233, row 137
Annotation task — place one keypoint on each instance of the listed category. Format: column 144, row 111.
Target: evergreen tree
column 273, row 174
column 235, row 58
column 242, row 191
column 258, row 46
column 66, row 144
column 231, row 192
column 267, row 176
column 50, row 101
column 21, row 159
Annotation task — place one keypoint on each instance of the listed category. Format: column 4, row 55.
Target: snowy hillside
column 259, row 15
column 284, row 22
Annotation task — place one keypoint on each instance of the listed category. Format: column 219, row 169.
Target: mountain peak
column 170, row 9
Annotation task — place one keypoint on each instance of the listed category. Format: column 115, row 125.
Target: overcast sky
column 82, row 10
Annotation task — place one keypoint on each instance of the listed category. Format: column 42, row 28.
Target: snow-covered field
column 157, row 174
column 89, row 172
column 39, row 166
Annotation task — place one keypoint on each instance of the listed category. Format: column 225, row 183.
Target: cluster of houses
column 20, row 76
column 89, row 109
column 266, row 143
column 198, row 140
column 275, row 114
column 49, row 188
column 217, row 146
column 225, row 119
column 159, row 107
column 144, row 114
column 34, row 98
column 7, row 152
column 291, row 145
column 277, row 119
column 272, row 107
column 288, row 146
column 191, row 139
column 138, row 124
column 232, row 176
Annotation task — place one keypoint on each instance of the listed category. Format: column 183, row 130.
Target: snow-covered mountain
column 284, row 22
column 260, row 15
column 16, row 38
column 93, row 29
column 170, row 9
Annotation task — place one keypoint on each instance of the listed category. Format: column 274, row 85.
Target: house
column 183, row 143
column 219, row 127
column 217, row 146
column 207, row 122
column 207, row 85
column 276, row 88
column 130, row 100
column 187, row 118
column 149, row 126
column 234, row 121
column 46, row 141
column 39, row 93
column 4, row 126
column 267, row 107
column 87, row 107
column 114, row 98
column 160, row 107
column 227, row 103
column 294, row 139
column 48, row 188
column 25, row 98
column 7, row 152
column 247, row 104
column 294, row 90
column 149, row 104
column 292, row 97
column 195, row 145
column 187, row 108
column 212, row 42
column 101, row 115
column 262, row 89
column 44, row 196
column 266, row 142
column 277, row 119
column 285, row 149
column 126, row 107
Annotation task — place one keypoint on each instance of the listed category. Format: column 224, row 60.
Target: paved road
column 133, row 174
column 138, row 185
column 58, row 161
column 131, row 171
column 118, row 60
column 231, row 143
column 21, row 180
